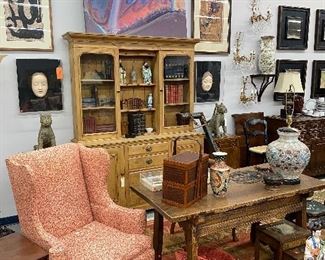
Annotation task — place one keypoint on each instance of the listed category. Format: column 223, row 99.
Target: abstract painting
column 136, row 17
column 25, row 25
column 212, row 25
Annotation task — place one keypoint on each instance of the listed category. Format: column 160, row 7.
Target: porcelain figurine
column 150, row 101
column 314, row 248
column 219, row 174
column 146, row 73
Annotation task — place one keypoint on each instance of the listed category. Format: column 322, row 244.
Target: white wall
column 18, row 132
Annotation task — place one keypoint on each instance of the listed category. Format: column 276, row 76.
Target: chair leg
column 234, row 235
column 172, row 228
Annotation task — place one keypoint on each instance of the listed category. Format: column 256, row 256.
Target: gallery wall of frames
column 240, row 41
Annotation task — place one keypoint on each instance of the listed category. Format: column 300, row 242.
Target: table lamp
column 289, row 83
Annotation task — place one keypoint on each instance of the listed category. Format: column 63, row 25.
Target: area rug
column 243, row 249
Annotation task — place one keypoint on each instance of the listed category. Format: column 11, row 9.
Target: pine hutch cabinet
column 111, row 108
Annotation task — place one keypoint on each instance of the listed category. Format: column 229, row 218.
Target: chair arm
column 57, row 253
column 132, row 221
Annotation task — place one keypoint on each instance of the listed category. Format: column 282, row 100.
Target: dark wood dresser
column 312, row 134
column 229, row 144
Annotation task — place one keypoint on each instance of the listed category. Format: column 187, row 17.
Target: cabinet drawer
column 148, row 148
column 148, row 161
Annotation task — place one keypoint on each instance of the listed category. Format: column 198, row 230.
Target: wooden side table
column 16, row 246
column 280, row 236
column 229, row 144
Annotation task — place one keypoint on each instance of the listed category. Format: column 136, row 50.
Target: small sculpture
column 46, row 137
column 122, row 74
column 150, row 101
column 146, row 73
column 133, row 75
column 39, row 84
column 314, row 248
column 218, row 120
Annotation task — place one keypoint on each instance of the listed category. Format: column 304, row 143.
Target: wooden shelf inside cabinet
column 138, row 110
column 176, row 104
column 137, row 85
column 96, row 81
column 177, row 79
column 98, row 108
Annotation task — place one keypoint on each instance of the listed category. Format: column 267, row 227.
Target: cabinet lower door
column 116, row 182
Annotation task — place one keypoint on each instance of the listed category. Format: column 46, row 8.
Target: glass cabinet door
column 176, row 91
column 97, row 93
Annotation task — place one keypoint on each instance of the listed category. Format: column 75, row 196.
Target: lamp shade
column 287, row 79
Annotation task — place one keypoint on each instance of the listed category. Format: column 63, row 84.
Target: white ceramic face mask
column 39, row 84
column 207, row 81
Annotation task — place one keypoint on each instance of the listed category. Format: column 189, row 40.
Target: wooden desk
column 243, row 204
column 16, row 247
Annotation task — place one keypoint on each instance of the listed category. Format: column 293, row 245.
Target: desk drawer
column 148, row 148
column 147, row 161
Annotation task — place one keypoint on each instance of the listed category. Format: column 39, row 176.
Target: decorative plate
column 310, row 104
column 246, row 177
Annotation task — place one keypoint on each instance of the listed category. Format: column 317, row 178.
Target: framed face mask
column 207, row 81
column 39, row 85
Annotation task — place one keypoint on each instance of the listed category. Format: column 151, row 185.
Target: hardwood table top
column 238, row 196
column 16, row 247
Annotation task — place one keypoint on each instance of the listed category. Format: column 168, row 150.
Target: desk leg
column 302, row 215
column 190, row 239
column 158, row 235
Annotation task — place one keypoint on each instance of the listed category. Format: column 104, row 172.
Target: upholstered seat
column 64, row 207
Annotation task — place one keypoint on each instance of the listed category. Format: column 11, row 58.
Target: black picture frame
column 28, row 102
column 320, row 30
column 318, row 79
column 293, row 27
column 202, row 70
column 283, row 65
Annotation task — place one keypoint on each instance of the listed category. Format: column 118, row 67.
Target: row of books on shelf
column 174, row 94
column 90, row 126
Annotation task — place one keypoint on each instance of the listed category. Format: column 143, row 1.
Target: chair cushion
column 98, row 241
column 258, row 149
column 61, row 195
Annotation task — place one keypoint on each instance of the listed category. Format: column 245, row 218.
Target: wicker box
column 185, row 178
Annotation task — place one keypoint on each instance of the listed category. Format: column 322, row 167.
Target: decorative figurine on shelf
column 122, row 74
column 133, row 75
column 46, row 137
column 314, row 248
column 146, row 73
column 218, row 120
column 150, row 101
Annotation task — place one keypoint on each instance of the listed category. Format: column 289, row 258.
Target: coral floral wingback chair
column 63, row 206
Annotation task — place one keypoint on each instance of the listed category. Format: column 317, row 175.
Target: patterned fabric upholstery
column 63, row 205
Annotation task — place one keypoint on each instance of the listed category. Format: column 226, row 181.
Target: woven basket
column 185, row 177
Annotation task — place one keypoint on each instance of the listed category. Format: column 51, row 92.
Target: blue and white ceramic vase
column 219, row 174
column 287, row 155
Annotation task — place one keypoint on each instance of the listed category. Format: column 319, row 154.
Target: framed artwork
column 318, row 79
column 293, row 26
column 39, row 84
column 320, row 30
column 207, row 81
column 146, row 18
column 211, row 24
column 296, row 65
column 26, row 25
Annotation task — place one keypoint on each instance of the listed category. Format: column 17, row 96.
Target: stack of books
column 174, row 93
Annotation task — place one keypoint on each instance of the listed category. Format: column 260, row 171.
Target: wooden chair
column 256, row 137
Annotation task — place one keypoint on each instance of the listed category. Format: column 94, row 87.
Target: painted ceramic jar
column 287, row 155
column 266, row 62
column 219, row 174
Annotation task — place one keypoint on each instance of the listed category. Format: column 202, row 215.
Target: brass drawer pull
column 149, row 161
column 149, row 148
